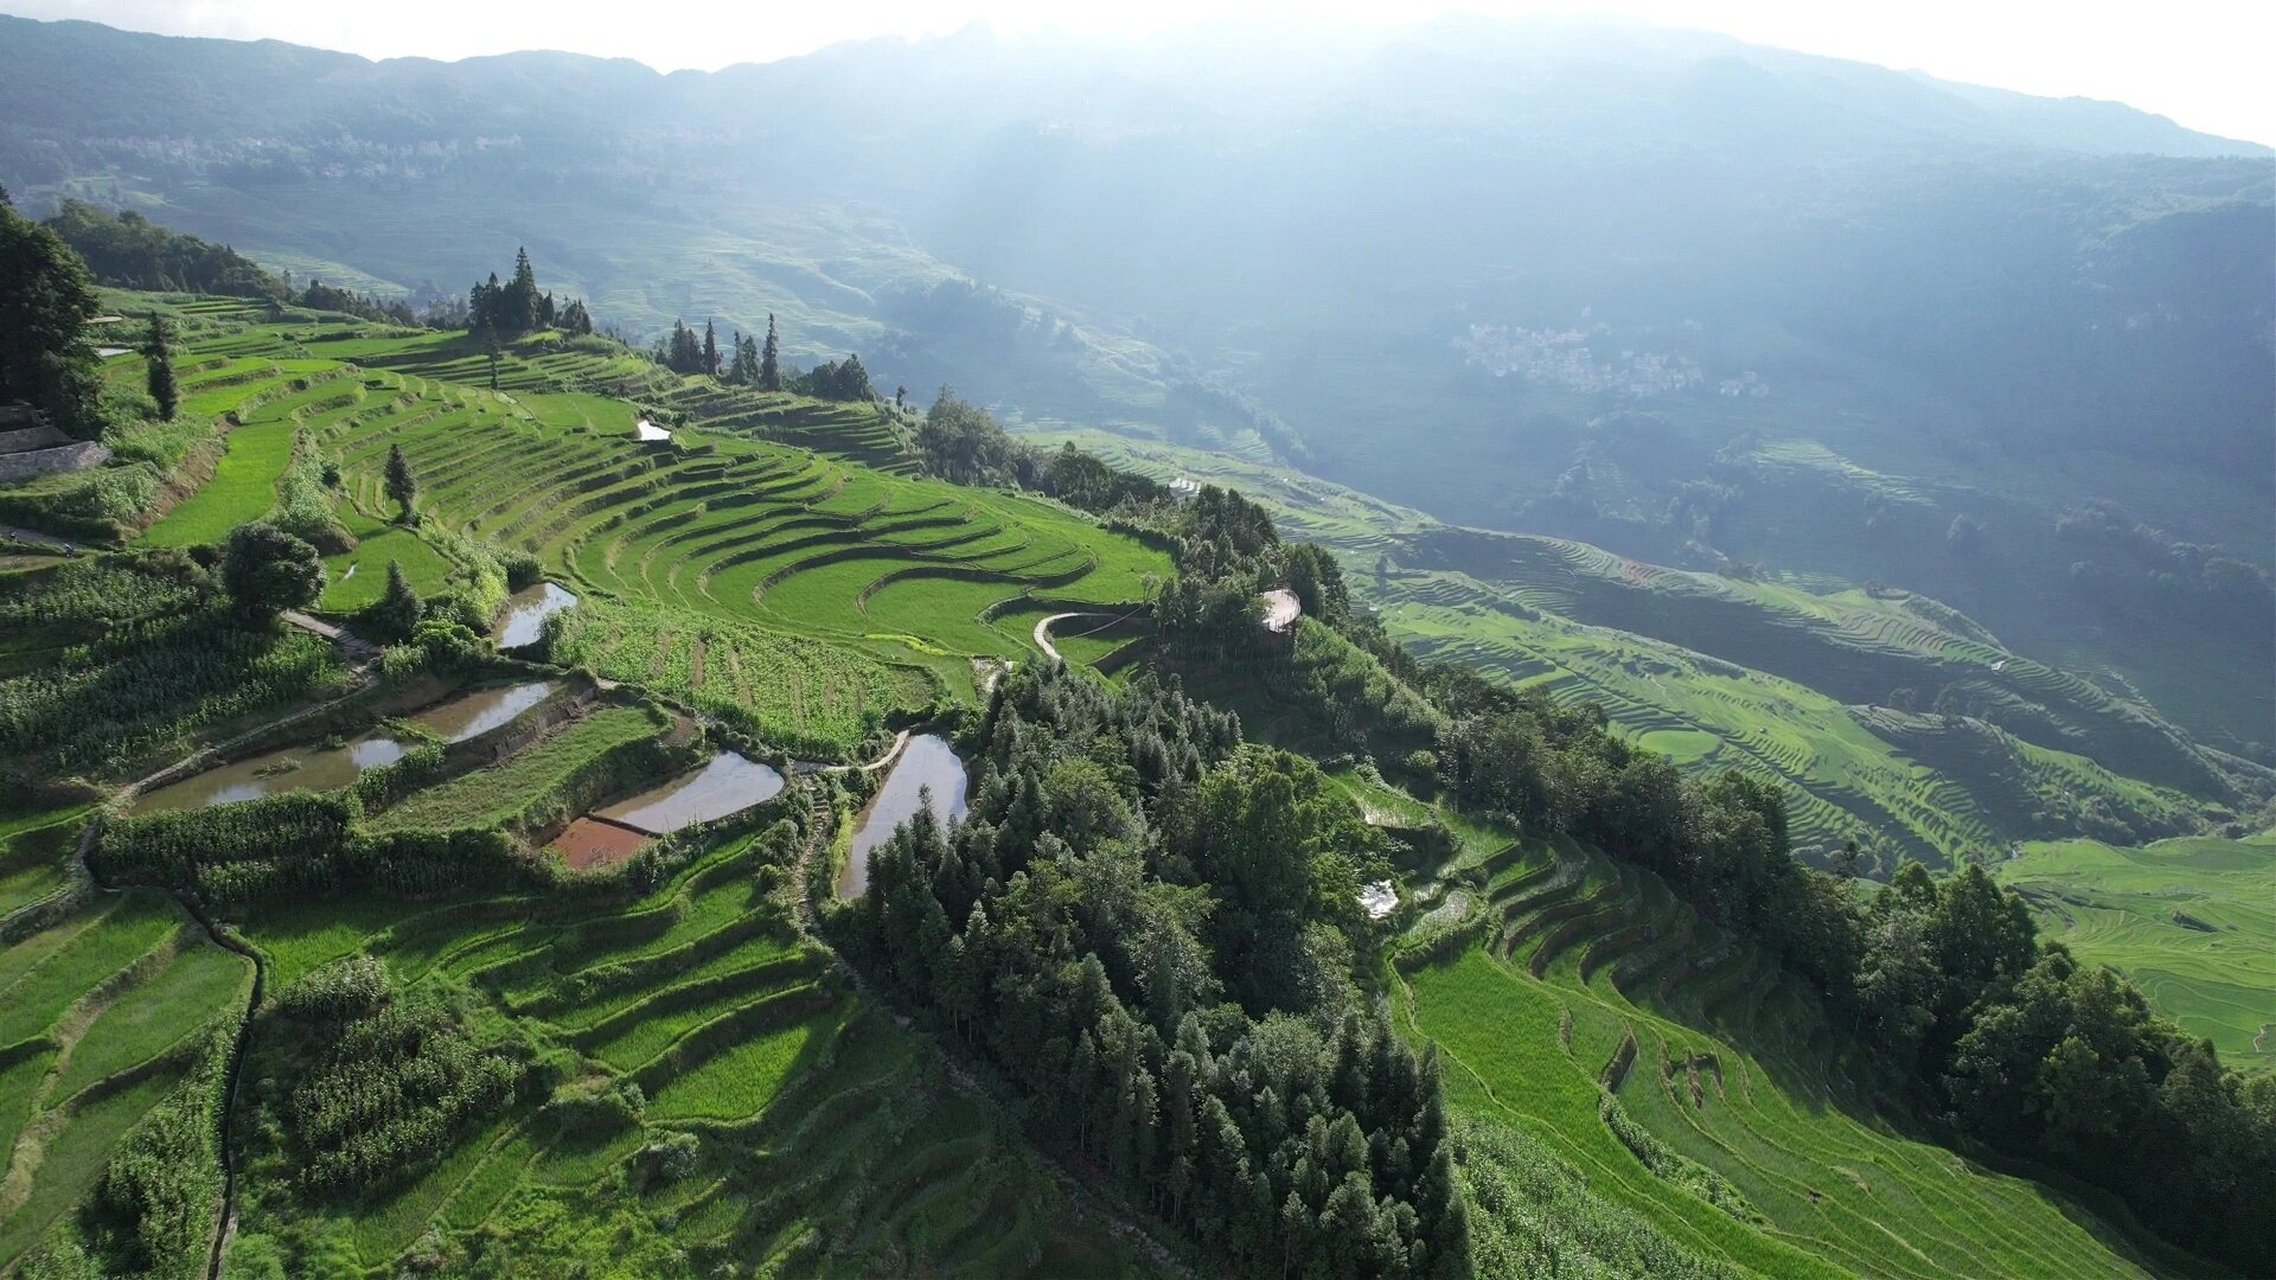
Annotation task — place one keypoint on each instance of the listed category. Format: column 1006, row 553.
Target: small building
column 1281, row 610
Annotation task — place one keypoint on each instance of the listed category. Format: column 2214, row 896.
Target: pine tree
column 161, row 379
column 521, row 305
column 395, row 613
column 402, row 486
column 711, row 348
column 770, row 359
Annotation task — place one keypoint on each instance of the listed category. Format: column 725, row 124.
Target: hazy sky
column 2205, row 63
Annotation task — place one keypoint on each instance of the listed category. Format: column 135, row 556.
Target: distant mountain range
column 1694, row 300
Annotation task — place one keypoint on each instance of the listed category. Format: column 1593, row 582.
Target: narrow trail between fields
column 892, row 753
column 34, row 538
column 1043, row 632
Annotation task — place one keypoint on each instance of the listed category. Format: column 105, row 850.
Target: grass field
column 2192, row 920
column 269, row 398
column 356, row 578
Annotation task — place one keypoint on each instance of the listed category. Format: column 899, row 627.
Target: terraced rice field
column 497, row 795
column 270, row 399
column 101, row 1012
column 732, row 548
column 813, row 1113
column 1590, row 975
column 2192, row 920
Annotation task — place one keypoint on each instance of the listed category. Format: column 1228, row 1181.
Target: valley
column 1404, row 711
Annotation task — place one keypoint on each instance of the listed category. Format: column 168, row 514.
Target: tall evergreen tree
column 711, row 348
column 158, row 350
column 402, row 486
column 770, row 359
column 46, row 299
column 395, row 613
column 520, row 303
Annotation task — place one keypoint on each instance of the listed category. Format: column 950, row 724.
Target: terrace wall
column 82, row 456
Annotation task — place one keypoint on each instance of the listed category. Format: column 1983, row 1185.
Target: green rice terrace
column 2192, row 919
column 1596, row 1028
column 803, row 592
column 369, row 953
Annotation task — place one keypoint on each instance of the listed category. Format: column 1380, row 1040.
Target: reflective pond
column 479, row 713
column 293, row 768
column 727, row 784
column 526, row 612
column 926, row 762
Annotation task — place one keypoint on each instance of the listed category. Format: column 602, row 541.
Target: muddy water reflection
column 294, row 768
column 926, row 762
column 728, row 784
column 526, row 612
column 479, row 713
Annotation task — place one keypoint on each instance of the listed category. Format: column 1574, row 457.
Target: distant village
column 1564, row 360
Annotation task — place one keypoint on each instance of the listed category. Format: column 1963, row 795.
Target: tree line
column 128, row 251
column 749, row 361
column 2008, row 1039
column 498, row 313
column 1153, row 930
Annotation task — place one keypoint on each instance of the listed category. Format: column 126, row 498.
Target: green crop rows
column 98, row 1012
column 813, row 1115
column 2193, row 920
column 1585, row 974
column 731, row 545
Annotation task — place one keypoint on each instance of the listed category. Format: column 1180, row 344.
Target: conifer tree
column 711, row 348
column 402, row 486
column 160, row 353
column 520, row 301
column 770, row 359
column 395, row 613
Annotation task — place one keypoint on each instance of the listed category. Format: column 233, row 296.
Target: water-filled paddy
column 926, row 762
column 526, row 612
column 479, row 713
column 291, row 769
column 727, row 784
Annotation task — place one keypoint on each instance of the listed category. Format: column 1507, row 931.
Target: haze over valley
column 1467, row 647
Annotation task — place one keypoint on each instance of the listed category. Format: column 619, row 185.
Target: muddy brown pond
column 926, row 762
column 294, row 768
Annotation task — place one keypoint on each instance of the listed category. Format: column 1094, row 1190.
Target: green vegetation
column 2190, row 920
column 536, row 778
column 114, row 662
column 117, row 1027
column 765, row 1115
column 1140, row 1006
